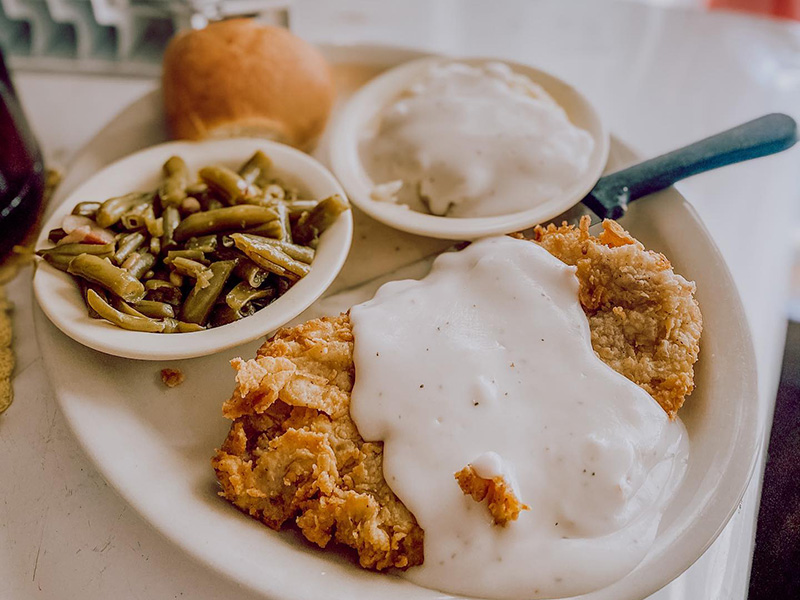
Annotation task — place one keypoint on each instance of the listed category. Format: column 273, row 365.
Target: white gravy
column 488, row 360
column 474, row 142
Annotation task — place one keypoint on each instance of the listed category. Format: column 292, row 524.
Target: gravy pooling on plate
column 474, row 141
column 488, row 360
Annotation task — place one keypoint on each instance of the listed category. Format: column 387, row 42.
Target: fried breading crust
column 294, row 453
column 501, row 501
column 644, row 319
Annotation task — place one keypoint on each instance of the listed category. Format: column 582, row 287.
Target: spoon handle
column 766, row 135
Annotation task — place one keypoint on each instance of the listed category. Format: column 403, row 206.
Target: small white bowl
column 362, row 109
column 60, row 299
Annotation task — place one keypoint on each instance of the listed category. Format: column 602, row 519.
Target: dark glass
column 21, row 168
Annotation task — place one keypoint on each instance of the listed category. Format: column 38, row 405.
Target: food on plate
column 644, row 319
column 473, row 141
column 294, row 454
column 242, row 78
column 193, row 253
column 492, row 419
column 497, row 489
column 172, row 377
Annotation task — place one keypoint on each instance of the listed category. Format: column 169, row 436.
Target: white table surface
column 661, row 78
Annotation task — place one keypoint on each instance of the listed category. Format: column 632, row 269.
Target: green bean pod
column 158, row 290
column 273, row 229
column 302, row 253
column 101, row 250
column 191, row 268
column 204, row 243
column 242, row 293
column 141, row 264
column 170, row 220
column 195, row 255
column 232, row 218
column 155, row 310
column 201, row 300
column 250, row 272
column 172, row 190
column 256, row 169
column 127, row 244
column 298, row 207
column 123, row 307
column 111, row 211
column 270, row 257
column 136, row 217
column 103, row 273
column 318, row 219
column 120, row 319
column 232, row 188
column 86, row 209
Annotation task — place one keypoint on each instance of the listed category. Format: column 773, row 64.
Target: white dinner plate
column 154, row 445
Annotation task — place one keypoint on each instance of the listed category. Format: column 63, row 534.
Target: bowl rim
column 61, row 306
column 364, row 105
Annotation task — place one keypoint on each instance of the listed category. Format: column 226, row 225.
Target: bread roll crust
column 239, row 77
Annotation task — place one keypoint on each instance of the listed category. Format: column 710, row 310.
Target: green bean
column 155, row 310
column 103, row 273
column 273, row 229
column 112, row 209
column 198, row 188
column 195, row 255
column 205, row 243
column 59, row 261
column 184, row 327
column 127, row 244
column 223, row 219
column 242, row 293
column 56, row 235
column 286, row 223
column 155, row 246
column 123, row 307
column 120, row 319
column 136, row 217
column 85, row 286
column 140, row 264
column 255, row 170
column 298, row 207
column 229, row 185
column 86, row 209
column 172, row 190
column 318, row 219
column 101, row 250
column 269, row 257
column 201, row 300
column 224, row 314
column 191, row 268
column 170, row 219
column 155, row 226
column 158, row 290
column 250, row 272
column 302, row 253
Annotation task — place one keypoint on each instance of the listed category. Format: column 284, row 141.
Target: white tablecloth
column 660, row 78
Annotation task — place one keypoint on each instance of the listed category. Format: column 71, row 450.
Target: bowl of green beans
column 188, row 248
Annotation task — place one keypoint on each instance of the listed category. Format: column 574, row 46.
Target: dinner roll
column 242, row 78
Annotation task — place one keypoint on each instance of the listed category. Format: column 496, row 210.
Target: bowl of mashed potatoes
column 461, row 149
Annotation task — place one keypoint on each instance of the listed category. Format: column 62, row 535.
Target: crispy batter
column 644, row 320
column 172, row 377
column 294, row 453
column 503, row 504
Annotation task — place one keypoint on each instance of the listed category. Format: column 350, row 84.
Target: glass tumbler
column 22, row 172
